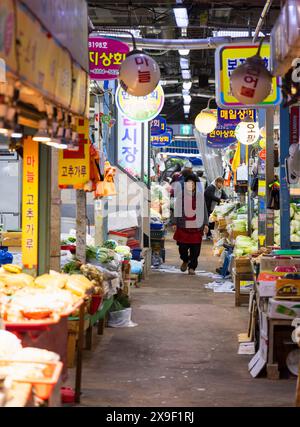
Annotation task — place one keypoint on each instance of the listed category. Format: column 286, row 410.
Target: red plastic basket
column 95, row 303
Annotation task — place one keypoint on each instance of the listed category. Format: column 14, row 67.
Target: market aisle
column 183, row 352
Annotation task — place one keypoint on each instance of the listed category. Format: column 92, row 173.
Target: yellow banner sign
column 30, row 199
column 74, row 166
column 227, row 59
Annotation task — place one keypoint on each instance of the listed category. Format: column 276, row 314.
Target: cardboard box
column 283, row 309
column 267, row 283
column 269, row 263
column 11, row 238
column 234, row 234
column 287, row 289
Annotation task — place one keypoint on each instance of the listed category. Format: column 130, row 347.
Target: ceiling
column 155, row 19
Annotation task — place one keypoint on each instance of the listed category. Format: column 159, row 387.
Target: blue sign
column 232, row 117
column 162, row 140
column 170, row 131
column 158, row 126
column 221, row 137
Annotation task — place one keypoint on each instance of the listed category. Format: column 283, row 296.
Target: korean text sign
column 140, row 108
column 105, row 57
column 30, row 203
column 130, row 145
column 158, row 125
column 161, row 140
column 74, row 166
column 229, row 57
column 224, row 134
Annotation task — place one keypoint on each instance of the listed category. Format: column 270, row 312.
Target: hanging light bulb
column 139, row 74
column 251, row 82
column 247, row 132
column 206, row 120
column 42, row 134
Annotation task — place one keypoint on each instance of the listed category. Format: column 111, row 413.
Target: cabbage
column 276, row 229
column 239, row 225
column 297, row 216
column 254, row 223
column 295, row 238
column 254, row 235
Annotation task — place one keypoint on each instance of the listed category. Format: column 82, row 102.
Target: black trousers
column 189, row 252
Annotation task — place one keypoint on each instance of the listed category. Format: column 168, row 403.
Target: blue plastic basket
column 136, row 254
column 156, row 226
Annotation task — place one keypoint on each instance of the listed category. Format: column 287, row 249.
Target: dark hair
column 200, row 174
column 191, row 177
column 220, row 179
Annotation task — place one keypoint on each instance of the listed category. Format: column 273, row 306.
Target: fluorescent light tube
column 184, row 52
column 186, row 74
column 186, row 85
column 184, row 63
column 181, row 17
column 186, row 109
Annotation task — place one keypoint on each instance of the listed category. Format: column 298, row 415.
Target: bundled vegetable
column 244, row 245
column 110, row 244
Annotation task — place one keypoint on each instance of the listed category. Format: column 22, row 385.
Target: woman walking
column 190, row 221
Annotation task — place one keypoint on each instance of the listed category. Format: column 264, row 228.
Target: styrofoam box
column 270, row 263
column 267, row 289
column 283, row 309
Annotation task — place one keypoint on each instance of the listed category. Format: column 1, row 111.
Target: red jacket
column 189, row 235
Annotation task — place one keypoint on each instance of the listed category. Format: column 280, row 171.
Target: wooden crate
column 241, row 298
column 73, row 330
column 242, row 265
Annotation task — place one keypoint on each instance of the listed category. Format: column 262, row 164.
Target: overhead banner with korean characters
column 130, row 145
column 74, row 166
column 224, row 134
column 158, row 125
column 140, row 108
column 30, row 203
column 227, row 59
column 105, row 57
column 162, row 140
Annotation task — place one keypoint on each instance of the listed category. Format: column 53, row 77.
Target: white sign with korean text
column 129, row 145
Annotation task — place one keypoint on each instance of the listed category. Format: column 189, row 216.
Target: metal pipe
column 261, row 19
column 176, row 44
column 200, row 95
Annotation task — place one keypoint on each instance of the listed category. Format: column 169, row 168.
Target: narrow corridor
column 183, row 351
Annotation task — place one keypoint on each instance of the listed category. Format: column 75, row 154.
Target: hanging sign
column 232, row 117
column 170, row 131
column 221, row 137
column 74, row 166
column 263, row 154
column 105, row 57
column 130, row 145
column 30, row 203
column 158, row 125
column 227, row 59
column 161, row 140
column 140, row 108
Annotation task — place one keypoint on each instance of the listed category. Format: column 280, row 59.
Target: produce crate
column 157, row 234
column 242, row 265
column 238, row 279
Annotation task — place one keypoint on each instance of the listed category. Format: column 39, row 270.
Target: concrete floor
column 182, row 353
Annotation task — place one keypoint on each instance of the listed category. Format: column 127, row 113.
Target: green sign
column 185, row 129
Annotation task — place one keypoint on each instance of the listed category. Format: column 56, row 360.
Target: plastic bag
column 121, row 319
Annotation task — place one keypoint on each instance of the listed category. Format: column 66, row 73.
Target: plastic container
column 120, row 238
column 95, row 303
column 157, row 234
column 136, row 254
column 67, row 395
column 156, row 226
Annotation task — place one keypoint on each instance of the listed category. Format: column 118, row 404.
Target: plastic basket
column 157, row 234
column 156, row 226
column 120, row 238
column 136, row 254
